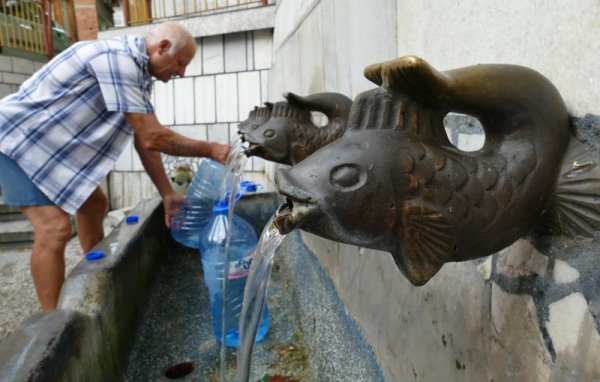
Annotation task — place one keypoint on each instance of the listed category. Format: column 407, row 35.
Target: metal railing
column 21, row 26
column 144, row 11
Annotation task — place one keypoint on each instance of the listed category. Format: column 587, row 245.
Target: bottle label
column 240, row 268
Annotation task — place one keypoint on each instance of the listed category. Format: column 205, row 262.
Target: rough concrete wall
column 528, row 313
column 557, row 38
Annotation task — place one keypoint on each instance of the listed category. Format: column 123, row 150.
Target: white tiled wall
column 184, row 101
column 226, row 79
column 227, row 97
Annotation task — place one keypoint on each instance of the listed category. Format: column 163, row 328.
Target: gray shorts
column 17, row 188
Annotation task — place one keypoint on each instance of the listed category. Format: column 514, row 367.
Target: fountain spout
column 289, row 135
column 393, row 181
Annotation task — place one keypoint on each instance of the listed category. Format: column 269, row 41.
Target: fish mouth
column 253, row 149
column 259, row 150
column 294, row 214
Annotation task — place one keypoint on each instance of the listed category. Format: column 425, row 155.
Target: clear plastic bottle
column 200, row 198
column 212, row 252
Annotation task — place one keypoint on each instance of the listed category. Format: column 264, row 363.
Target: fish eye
column 270, row 133
column 347, row 177
column 255, row 126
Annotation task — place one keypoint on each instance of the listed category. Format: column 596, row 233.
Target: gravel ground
column 17, row 294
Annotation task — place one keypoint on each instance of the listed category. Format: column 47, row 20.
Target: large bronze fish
column 289, row 135
column 394, row 183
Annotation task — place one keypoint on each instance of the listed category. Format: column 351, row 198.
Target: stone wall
column 528, row 313
column 14, row 71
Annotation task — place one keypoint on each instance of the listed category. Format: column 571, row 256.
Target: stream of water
column 255, row 293
column 234, row 169
column 255, row 296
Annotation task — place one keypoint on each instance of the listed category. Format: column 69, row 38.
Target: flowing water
column 255, row 296
column 234, row 169
column 260, row 270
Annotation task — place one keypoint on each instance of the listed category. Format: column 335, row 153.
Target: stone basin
column 142, row 314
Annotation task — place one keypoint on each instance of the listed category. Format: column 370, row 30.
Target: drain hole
column 180, row 370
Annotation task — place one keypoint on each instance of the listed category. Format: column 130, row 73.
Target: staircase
column 15, row 230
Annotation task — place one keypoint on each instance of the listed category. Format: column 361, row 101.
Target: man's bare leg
column 52, row 230
column 90, row 218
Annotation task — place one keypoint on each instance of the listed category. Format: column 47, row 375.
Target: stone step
column 8, row 213
column 19, row 232
column 16, row 231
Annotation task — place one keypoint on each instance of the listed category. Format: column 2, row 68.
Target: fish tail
column 577, row 196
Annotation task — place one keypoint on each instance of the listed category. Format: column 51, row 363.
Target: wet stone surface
column 176, row 330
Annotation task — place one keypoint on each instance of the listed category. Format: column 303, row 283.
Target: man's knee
column 58, row 229
column 49, row 223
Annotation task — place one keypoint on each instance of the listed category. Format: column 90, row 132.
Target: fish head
column 344, row 191
column 256, row 117
column 270, row 140
column 245, row 125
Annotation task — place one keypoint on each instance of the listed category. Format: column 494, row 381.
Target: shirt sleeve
column 121, row 83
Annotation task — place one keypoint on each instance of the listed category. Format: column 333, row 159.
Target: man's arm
column 151, row 138
column 155, row 137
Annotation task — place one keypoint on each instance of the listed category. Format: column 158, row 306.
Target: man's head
column 171, row 48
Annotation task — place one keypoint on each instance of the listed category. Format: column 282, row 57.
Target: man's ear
column 163, row 46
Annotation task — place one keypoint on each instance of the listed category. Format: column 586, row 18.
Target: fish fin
column 416, row 79
column 426, row 242
column 373, row 74
column 298, row 153
column 578, row 191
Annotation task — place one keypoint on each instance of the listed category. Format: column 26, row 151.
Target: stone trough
column 142, row 314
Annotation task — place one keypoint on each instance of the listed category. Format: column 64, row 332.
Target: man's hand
column 172, row 203
column 219, row 152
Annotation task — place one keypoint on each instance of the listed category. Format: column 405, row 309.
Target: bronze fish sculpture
column 256, row 117
column 289, row 135
column 393, row 182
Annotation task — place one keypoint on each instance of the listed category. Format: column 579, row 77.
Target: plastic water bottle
column 212, row 252
column 200, row 198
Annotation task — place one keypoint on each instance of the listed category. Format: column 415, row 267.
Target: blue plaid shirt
column 65, row 126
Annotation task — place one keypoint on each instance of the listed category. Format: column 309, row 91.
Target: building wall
column 86, row 18
column 527, row 313
column 14, row 71
column 558, row 39
column 226, row 79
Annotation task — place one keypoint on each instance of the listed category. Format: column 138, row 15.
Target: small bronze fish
column 393, row 182
column 289, row 135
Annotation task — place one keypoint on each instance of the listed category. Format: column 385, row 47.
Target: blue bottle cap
column 132, row 219
column 94, row 255
column 248, row 186
column 221, row 206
